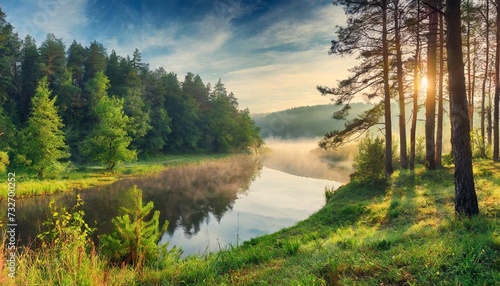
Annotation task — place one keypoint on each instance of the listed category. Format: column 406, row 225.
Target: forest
column 440, row 57
column 67, row 106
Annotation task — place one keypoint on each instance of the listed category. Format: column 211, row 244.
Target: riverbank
column 28, row 184
column 400, row 232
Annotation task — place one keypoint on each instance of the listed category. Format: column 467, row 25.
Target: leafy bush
column 66, row 227
column 135, row 239
column 369, row 163
column 67, row 255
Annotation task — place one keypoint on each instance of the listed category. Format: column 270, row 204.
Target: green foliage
column 135, row 109
column 8, row 139
column 370, row 160
column 44, row 145
column 97, row 87
column 66, row 226
column 420, row 150
column 77, row 55
column 480, row 148
column 30, row 66
column 4, row 162
column 109, row 141
column 182, row 108
column 135, row 239
column 96, row 60
column 162, row 115
column 53, row 60
column 227, row 129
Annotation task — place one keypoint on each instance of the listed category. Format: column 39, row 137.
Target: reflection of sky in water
column 275, row 200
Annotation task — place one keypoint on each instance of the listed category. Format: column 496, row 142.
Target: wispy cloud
column 64, row 18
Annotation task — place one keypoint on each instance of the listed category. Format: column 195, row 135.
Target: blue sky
column 271, row 54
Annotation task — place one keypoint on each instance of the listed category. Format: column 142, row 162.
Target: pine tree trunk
column 430, row 103
column 497, row 89
column 485, row 79
column 402, row 106
column 469, row 69
column 465, row 194
column 387, row 95
column 416, row 87
column 440, row 114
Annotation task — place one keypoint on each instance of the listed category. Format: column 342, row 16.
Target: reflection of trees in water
column 185, row 196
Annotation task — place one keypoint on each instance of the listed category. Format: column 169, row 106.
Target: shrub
column 135, row 239
column 66, row 227
column 369, row 163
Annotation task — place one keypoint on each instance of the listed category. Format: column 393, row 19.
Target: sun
column 423, row 83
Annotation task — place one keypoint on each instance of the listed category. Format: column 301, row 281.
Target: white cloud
column 276, row 78
column 37, row 18
column 143, row 38
column 196, row 52
column 262, row 75
column 291, row 82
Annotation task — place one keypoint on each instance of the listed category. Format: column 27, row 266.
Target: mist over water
column 212, row 205
column 303, row 157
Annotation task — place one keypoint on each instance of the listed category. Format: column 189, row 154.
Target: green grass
column 28, row 184
column 400, row 232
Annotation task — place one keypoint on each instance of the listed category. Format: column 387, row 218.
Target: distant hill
column 316, row 121
column 304, row 122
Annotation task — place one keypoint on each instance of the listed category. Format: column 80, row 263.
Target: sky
column 271, row 54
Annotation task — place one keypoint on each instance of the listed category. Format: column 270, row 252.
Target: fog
column 303, row 157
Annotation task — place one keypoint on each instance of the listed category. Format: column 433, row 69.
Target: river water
column 208, row 206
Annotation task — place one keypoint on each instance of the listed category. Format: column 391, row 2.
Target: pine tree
column 44, row 146
column 135, row 239
column 53, row 60
column 29, row 66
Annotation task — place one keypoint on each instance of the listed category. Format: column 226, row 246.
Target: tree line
column 443, row 56
column 75, row 105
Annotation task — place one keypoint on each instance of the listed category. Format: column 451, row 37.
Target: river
column 208, row 206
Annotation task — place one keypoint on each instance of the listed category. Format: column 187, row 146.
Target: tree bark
column 486, row 75
column 469, row 69
column 430, row 103
column 402, row 107
column 496, row 100
column 465, row 194
column 416, row 87
column 440, row 114
column 387, row 95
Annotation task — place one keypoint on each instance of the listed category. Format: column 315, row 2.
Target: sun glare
column 423, row 83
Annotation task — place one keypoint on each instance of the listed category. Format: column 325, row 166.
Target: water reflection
column 185, row 196
column 209, row 206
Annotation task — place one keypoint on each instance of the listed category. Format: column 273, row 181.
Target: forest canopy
column 107, row 108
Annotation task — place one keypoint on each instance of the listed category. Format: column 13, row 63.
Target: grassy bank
column 28, row 184
column 400, row 232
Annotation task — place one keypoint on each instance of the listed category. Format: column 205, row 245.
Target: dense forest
column 62, row 106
